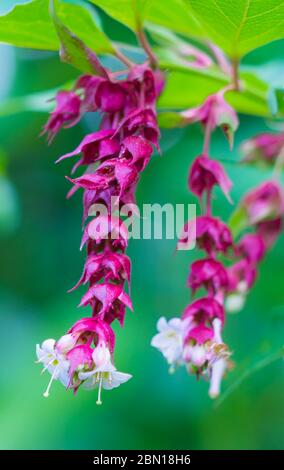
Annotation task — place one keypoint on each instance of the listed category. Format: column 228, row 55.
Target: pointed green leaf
column 239, row 26
column 29, row 25
column 128, row 12
column 81, row 22
column 72, row 49
column 173, row 14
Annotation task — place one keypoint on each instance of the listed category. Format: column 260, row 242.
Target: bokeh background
column 39, row 250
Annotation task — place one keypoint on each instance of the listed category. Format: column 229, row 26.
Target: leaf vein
column 225, row 16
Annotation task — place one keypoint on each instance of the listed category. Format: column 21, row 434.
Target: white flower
column 169, row 340
column 53, row 361
column 104, row 375
column 218, row 360
column 101, row 355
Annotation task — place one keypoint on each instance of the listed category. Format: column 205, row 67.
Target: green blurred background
column 40, row 259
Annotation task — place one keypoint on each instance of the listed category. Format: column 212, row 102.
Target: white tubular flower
column 217, row 349
column 101, row 355
column 217, row 372
column 104, row 375
column 169, row 340
column 53, row 361
column 217, row 328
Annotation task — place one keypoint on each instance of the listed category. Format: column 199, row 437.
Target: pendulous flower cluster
column 195, row 339
column 112, row 159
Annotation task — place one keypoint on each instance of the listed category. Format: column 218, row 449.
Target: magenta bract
column 206, row 173
column 212, row 235
column 266, row 202
column 66, row 113
column 252, row 247
column 204, row 309
column 208, row 273
column 241, row 275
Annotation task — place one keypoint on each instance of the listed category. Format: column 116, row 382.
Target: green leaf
column 170, row 119
column 164, row 36
column 181, row 81
column 238, row 221
column 240, row 26
column 29, row 25
column 128, row 12
column 72, row 49
column 173, row 14
column 82, row 23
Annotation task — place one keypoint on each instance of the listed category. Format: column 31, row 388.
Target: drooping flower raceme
column 112, row 159
column 259, row 214
column 197, row 342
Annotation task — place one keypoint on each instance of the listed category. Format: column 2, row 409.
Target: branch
column 235, row 74
column 142, row 38
column 120, row 56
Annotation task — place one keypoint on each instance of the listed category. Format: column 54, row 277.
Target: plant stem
column 146, row 46
column 208, row 202
column 221, row 59
column 119, row 72
column 235, row 74
column 207, row 138
column 120, row 56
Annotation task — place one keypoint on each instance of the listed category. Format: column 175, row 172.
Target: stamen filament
column 46, row 393
column 99, row 401
column 47, row 365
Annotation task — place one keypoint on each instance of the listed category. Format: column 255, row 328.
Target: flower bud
column 101, row 355
column 65, row 343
